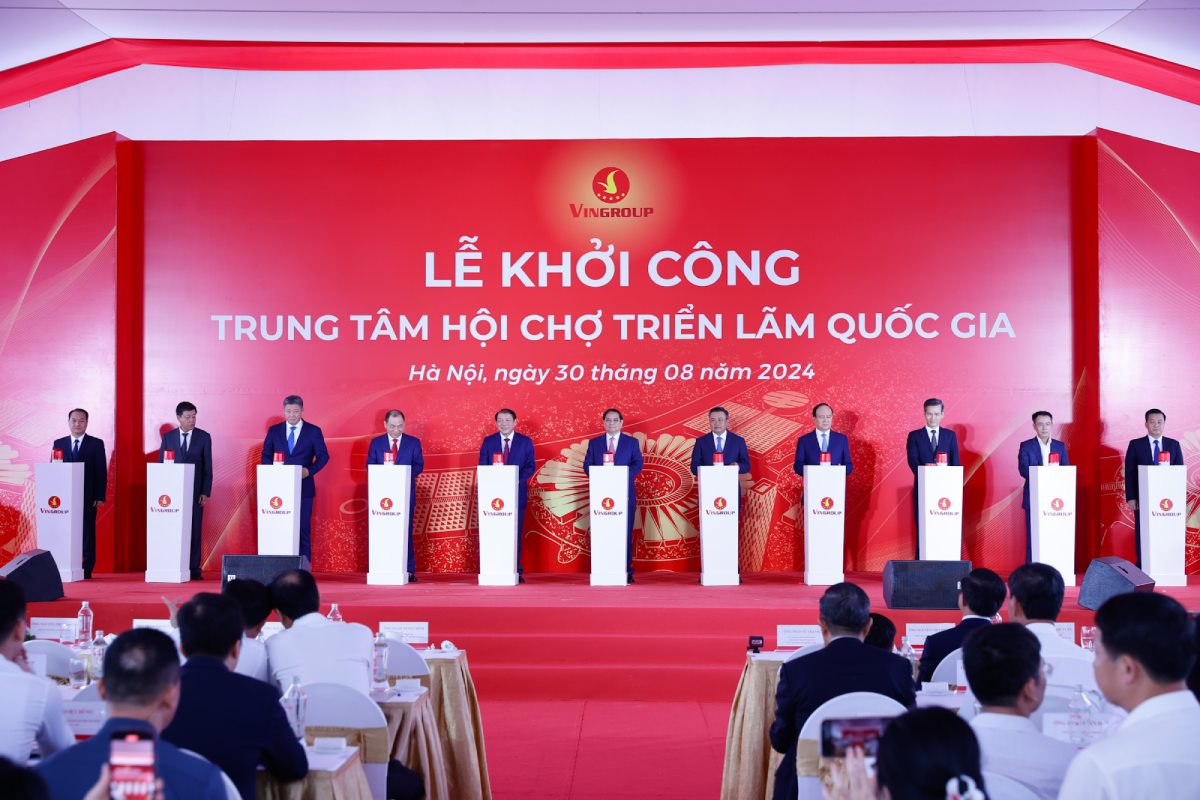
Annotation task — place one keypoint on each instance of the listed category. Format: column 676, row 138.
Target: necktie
column 1156, row 451
column 395, row 449
column 720, row 444
column 183, row 447
column 824, row 442
column 505, row 453
column 75, row 451
column 933, row 440
column 292, row 440
column 612, row 444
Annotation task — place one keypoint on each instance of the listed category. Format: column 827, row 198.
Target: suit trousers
column 89, row 537
column 197, row 527
column 306, row 504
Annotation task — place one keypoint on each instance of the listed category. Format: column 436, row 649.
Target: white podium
column 719, row 495
column 279, row 510
column 389, row 487
column 1052, row 518
column 608, row 488
column 1162, row 518
column 939, row 513
column 58, row 492
column 824, row 524
column 169, row 504
column 499, row 522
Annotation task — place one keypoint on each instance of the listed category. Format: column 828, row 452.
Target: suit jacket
column 236, row 723
column 520, row 454
column 1029, row 454
column 409, row 452
column 629, row 454
column 1139, row 452
column 735, row 451
column 95, row 466
column 199, row 452
column 920, row 453
column 844, row 665
column 309, row 452
column 943, row 643
column 808, row 451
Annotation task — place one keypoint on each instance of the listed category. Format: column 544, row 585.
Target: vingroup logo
column 1166, row 504
column 276, row 502
column 54, row 501
column 607, row 504
column 497, row 504
column 1057, row 504
column 385, row 503
column 610, row 185
column 944, row 504
column 164, row 500
column 827, row 503
column 719, row 503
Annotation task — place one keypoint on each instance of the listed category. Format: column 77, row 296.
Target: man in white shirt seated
column 1036, row 597
column 1005, row 670
column 312, row 647
column 1145, row 647
column 254, row 599
column 30, row 705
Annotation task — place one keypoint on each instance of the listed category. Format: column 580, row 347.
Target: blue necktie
column 183, row 449
column 75, row 451
column 824, row 442
column 291, row 440
column 720, row 444
column 1155, row 457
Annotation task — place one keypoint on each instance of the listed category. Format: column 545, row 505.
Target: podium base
column 497, row 579
column 719, row 579
column 823, row 578
column 167, row 576
column 608, row 579
column 380, row 578
column 1169, row 580
column 71, row 575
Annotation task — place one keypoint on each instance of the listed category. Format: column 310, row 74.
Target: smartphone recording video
column 839, row 735
column 131, row 766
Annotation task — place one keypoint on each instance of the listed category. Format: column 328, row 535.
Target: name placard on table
column 918, row 632
column 797, row 635
column 410, row 632
column 51, row 627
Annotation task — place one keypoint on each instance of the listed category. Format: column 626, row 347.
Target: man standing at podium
column 923, row 447
column 1036, row 452
column 404, row 450
column 302, row 445
column 625, row 451
column 516, row 449
column 722, row 440
column 192, row 446
column 88, row 450
column 822, row 439
column 1145, row 450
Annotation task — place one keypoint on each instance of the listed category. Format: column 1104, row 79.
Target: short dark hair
column 1153, row 629
column 21, row 783
column 818, row 405
column 711, row 411
column 252, row 597
column 209, row 625
column 508, row 411
column 999, row 660
column 295, row 593
column 1148, row 413
column 1037, row 414
column 882, row 633
column 81, row 411
column 1038, row 588
column 395, row 412
column 12, row 607
column 139, row 666
column 293, row 400
column 983, row 591
column 933, row 401
column 184, row 407
column 924, row 749
column 845, row 607
column 616, row 411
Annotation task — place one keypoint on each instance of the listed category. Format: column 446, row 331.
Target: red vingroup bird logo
column 385, row 503
column 1166, row 504
column 1057, row 504
column 497, row 504
column 276, row 502
column 164, row 500
column 827, row 503
column 610, row 185
column 944, row 503
column 607, row 504
column 719, row 503
column 54, row 501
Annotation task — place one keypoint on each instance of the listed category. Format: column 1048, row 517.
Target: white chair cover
column 88, row 694
column 1002, row 787
column 854, row 704
column 803, row 651
column 947, row 669
column 340, row 706
column 58, row 656
column 403, row 659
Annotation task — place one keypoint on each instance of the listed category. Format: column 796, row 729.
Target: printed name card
column 918, row 632
column 84, row 717
column 163, row 625
column 51, row 627
column 797, row 635
column 1065, row 630
column 410, row 632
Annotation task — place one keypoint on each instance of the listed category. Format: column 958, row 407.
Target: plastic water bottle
column 1082, row 710
column 83, row 624
column 379, row 664
column 334, row 614
column 907, row 651
column 99, row 647
column 295, row 705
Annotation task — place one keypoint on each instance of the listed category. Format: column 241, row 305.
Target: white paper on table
column 51, row 627
column 410, row 632
column 1065, row 630
column 163, row 625
column 328, row 761
column 918, row 632
column 797, row 635
column 84, row 717
column 1058, row 726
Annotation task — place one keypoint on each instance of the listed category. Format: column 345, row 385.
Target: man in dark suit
column 404, row 450
column 234, row 721
column 79, row 447
column 623, row 451
column 844, row 665
column 302, row 445
column 1146, row 450
column 191, row 445
column 722, row 440
column 923, row 447
column 822, row 439
column 517, row 449
column 980, row 595
column 1036, row 452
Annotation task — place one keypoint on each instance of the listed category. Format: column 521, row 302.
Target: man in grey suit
column 192, row 446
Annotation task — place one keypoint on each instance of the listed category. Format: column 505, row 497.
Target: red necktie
column 504, row 455
column 395, row 449
column 612, row 444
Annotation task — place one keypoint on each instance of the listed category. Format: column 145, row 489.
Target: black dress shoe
column 520, row 579
column 197, row 575
column 628, row 579
column 87, row 574
column 412, row 577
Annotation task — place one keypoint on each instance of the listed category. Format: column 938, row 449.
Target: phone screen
column 839, row 735
column 131, row 766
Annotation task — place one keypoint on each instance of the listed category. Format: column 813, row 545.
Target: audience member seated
column 312, row 647
column 844, row 665
column 1194, row 679
column 21, row 783
column 1036, row 597
column 1005, row 669
column 254, row 599
column 1145, row 647
column 140, row 688
column 31, row 706
column 980, row 595
column 882, row 633
column 234, row 721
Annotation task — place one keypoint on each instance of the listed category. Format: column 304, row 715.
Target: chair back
column 854, row 704
column 404, row 660
column 88, row 694
column 58, row 656
column 1002, row 787
column 1068, row 671
column 337, row 710
column 803, row 651
column 1056, row 701
column 947, row 669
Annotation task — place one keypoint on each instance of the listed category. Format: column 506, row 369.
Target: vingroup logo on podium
column 719, row 503
column 164, row 505
column 607, row 504
column 1166, row 504
column 944, row 504
column 827, row 503
column 385, row 503
column 721, row 506
column 1057, row 504
column 497, row 504
column 164, row 500
column 276, row 502
column 54, row 501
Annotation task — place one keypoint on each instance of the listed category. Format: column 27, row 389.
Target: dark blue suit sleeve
column 1176, row 453
column 952, row 451
column 798, row 465
column 783, row 728
column 1062, row 454
column 99, row 463
column 1131, row 465
column 528, row 464
column 165, row 445
column 268, row 451
column 1023, row 461
column 320, row 455
column 914, row 456
column 587, row 457
column 849, row 462
column 374, row 452
column 485, row 452
column 283, row 755
column 743, row 456
column 206, row 466
column 418, row 459
column 635, row 461
column 696, row 456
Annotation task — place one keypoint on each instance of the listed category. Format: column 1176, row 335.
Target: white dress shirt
column 318, row 650
column 32, row 711
column 1045, row 446
column 1012, row 746
column 1153, row 755
column 252, row 660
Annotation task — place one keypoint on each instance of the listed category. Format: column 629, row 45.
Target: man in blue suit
column 822, row 439
column 404, row 450
column 1146, row 450
column 192, row 445
column 722, row 440
column 233, row 720
column 624, row 451
column 79, row 447
column 510, row 447
column 1036, row 452
column 923, row 446
column 980, row 596
column 302, row 445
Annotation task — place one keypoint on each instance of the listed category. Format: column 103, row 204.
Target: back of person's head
column 295, row 593
column 12, row 607
column 983, row 592
column 1193, row 680
column 252, row 597
column 922, row 750
column 139, row 666
column 845, row 609
column 1039, row 590
column 882, row 633
column 21, row 783
column 999, row 661
column 209, row 625
column 1152, row 629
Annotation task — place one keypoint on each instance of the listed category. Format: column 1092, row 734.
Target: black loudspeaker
column 37, row 574
column 1106, row 577
column 263, row 569
column 923, row 584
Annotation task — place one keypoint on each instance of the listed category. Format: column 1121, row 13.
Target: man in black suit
column 303, row 445
column 1145, row 450
column 922, row 448
column 234, row 721
column 79, row 447
column 980, row 595
column 191, row 445
column 844, row 665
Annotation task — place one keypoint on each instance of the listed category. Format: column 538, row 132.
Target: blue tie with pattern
column 1156, row 451
column 291, row 440
column 75, row 451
